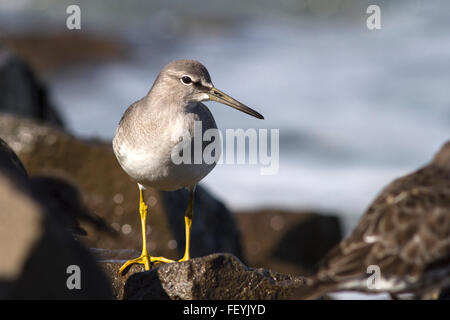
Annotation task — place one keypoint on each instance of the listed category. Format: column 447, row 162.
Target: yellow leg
column 144, row 258
column 188, row 223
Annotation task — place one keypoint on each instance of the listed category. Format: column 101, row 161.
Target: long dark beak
column 219, row 96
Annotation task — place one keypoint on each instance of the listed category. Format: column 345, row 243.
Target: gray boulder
column 217, row 276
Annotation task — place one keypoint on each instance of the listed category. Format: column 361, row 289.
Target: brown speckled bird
column 404, row 234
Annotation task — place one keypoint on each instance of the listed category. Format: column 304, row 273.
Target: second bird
column 152, row 128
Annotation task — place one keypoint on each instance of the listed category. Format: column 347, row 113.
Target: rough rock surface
column 217, row 276
column 281, row 240
column 110, row 194
column 22, row 93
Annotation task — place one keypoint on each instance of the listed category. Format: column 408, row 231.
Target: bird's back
column 147, row 136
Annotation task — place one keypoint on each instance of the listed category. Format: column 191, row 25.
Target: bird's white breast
column 148, row 157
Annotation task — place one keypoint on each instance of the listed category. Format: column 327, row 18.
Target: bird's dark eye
column 186, row 80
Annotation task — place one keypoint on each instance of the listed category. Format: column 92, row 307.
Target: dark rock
column 36, row 248
column 10, row 164
column 22, row 93
column 281, row 240
column 61, row 199
column 296, row 246
column 64, row 200
column 110, row 194
column 445, row 294
column 209, row 214
column 36, row 253
column 217, row 276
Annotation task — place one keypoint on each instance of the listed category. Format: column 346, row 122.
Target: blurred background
column 355, row 107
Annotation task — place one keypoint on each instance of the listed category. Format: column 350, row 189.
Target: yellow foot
column 185, row 258
column 145, row 260
column 160, row 260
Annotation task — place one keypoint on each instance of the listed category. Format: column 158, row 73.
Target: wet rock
column 281, row 240
column 110, row 194
column 217, row 276
column 37, row 254
column 22, row 93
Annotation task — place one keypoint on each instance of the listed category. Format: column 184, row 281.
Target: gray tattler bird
column 401, row 244
column 153, row 127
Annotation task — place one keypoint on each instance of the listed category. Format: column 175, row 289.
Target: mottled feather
column 405, row 232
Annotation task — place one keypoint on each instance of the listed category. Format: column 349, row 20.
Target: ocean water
column 355, row 108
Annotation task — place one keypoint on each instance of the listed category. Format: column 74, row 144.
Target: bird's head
column 189, row 81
